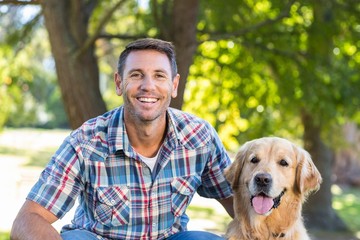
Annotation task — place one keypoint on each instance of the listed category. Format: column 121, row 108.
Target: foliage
column 243, row 100
column 256, row 59
column 5, row 98
column 257, row 69
column 28, row 85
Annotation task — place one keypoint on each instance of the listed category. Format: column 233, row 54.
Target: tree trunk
column 318, row 211
column 66, row 22
column 183, row 34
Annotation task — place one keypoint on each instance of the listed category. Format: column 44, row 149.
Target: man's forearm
column 31, row 226
column 228, row 205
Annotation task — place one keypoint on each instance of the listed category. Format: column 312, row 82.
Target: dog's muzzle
column 261, row 202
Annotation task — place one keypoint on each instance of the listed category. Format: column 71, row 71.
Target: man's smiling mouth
column 148, row 100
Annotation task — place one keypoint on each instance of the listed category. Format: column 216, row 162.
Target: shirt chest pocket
column 183, row 189
column 112, row 207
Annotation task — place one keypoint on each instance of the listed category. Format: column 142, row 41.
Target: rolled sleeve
column 214, row 183
column 59, row 184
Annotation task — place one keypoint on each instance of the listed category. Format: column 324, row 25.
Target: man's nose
column 148, row 83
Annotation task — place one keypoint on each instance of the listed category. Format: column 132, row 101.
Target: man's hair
column 149, row 44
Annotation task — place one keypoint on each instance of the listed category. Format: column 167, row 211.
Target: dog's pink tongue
column 262, row 204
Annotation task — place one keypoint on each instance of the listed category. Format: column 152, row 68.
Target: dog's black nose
column 263, row 179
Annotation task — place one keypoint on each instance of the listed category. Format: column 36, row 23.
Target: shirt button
column 187, row 190
column 113, row 201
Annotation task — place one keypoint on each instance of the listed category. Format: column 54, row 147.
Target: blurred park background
column 251, row 68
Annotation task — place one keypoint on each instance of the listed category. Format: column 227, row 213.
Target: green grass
column 209, row 214
column 37, row 158
column 36, row 146
column 346, row 202
column 41, row 158
column 4, row 236
column 9, row 151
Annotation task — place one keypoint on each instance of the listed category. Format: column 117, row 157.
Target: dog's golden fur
column 293, row 176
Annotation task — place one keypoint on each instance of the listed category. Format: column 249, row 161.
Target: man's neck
column 146, row 138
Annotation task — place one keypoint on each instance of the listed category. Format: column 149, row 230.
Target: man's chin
column 148, row 118
column 144, row 114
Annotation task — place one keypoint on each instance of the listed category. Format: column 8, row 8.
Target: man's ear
column 118, row 84
column 175, row 84
column 308, row 177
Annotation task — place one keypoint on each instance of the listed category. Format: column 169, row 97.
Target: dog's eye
column 283, row 163
column 254, row 160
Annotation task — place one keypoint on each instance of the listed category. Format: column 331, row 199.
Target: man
column 136, row 168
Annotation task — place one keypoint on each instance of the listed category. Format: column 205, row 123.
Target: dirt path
column 16, row 179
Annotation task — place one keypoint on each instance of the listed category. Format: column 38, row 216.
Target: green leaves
column 268, row 61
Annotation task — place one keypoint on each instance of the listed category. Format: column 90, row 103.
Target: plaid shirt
column 120, row 198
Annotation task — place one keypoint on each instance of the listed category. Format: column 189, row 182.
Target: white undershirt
column 150, row 162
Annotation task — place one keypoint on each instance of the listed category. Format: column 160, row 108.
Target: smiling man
column 134, row 169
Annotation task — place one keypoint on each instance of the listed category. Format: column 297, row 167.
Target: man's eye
column 160, row 76
column 136, row 76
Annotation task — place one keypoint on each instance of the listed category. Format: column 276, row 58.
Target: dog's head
column 266, row 169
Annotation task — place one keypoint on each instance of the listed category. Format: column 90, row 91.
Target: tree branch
column 154, row 10
column 103, row 21
column 283, row 14
column 296, row 56
column 14, row 2
column 121, row 36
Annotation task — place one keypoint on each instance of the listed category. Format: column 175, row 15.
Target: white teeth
column 149, row 100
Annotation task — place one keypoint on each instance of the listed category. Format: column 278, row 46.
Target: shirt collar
column 118, row 139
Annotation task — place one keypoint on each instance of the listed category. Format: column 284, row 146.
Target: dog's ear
column 308, row 178
column 233, row 172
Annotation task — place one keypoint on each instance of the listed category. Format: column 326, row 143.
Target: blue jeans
column 79, row 234
column 195, row 235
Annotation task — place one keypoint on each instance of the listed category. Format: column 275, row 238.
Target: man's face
column 146, row 85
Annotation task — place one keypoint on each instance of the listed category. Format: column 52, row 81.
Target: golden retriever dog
column 271, row 178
